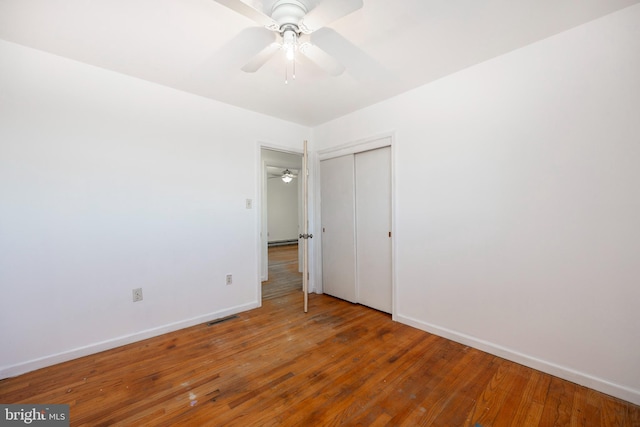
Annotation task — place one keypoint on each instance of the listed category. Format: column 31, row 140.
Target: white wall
column 282, row 212
column 109, row 183
column 517, row 203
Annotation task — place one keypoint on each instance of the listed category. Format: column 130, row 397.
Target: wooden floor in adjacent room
column 339, row 364
column 284, row 276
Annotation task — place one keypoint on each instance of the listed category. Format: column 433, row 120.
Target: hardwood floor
column 283, row 272
column 339, row 364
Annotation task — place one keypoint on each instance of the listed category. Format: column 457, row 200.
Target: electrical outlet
column 229, row 279
column 137, row 294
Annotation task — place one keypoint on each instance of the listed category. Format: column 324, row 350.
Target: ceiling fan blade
column 251, row 13
column 261, row 58
column 233, row 55
column 322, row 59
column 360, row 65
column 327, row 12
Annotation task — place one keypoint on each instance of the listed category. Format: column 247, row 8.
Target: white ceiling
column 197, row 45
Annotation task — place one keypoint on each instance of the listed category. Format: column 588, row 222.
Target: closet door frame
column 354, row 147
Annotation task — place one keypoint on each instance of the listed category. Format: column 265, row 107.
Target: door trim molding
column 359, row 146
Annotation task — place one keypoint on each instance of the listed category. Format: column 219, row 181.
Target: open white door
column 305, row 236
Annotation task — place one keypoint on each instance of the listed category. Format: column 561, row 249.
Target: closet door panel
column 373, row 228
column 338, row 227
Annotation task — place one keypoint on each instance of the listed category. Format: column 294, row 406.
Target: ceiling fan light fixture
column 287, row 176
column 290, row 43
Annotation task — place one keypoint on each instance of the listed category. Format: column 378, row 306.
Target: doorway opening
column 281, row 263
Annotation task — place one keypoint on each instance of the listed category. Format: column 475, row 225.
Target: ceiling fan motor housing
column 288, row 14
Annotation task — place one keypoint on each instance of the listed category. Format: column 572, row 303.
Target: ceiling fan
column 286, row 175
column 291, row 24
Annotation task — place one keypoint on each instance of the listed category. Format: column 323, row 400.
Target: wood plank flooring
column 283, row 272
column 339, row 364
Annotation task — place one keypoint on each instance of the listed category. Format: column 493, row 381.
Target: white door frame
column 354, row 147
column 260, row 205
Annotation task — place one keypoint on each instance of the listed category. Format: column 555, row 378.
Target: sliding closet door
column 373, row 228
column 338, row 227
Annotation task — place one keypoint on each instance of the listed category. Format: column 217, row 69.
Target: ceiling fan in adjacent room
column 285, row 175
column 291, row 24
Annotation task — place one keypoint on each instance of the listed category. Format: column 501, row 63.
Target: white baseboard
column 42, row 362
column 595, row 383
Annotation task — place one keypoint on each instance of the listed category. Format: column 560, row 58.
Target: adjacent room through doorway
column 281, row 219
